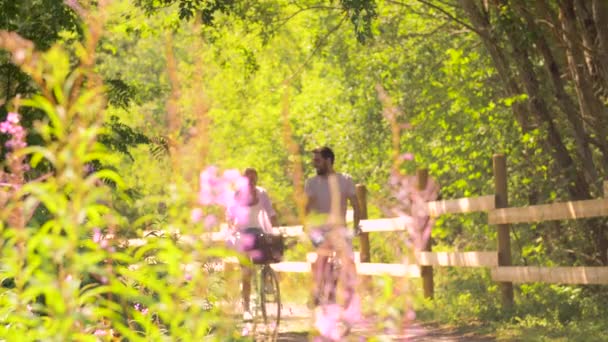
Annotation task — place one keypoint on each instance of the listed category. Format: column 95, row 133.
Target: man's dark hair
column 325, row 152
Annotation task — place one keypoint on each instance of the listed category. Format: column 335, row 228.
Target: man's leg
column 350, row 301
column 319, row 268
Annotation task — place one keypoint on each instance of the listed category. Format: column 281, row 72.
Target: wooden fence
column 499, row 260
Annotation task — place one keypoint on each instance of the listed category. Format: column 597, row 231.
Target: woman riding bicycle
column 259, row 217
column 327, row 195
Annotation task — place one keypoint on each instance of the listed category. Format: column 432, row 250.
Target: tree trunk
column 599, row 10
column 564, row 100
column 481, row 23
column 577, row 185
column 579, row 189
column 592, row 109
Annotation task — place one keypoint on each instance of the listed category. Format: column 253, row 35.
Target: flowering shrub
column 72, row 277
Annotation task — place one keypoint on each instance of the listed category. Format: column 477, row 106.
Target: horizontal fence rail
column 555, row 275
column 461, row 205
column 549, row 212
column 458, row 259
column 375, row 269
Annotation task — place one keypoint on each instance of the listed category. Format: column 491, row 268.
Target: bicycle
column 332, row 276
column 266, row 304
column 265, row 298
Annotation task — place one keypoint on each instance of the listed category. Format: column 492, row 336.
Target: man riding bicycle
column 327, row 195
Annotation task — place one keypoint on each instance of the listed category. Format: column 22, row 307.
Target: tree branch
column 283, row 21
column 438, row 8
column 318, row 45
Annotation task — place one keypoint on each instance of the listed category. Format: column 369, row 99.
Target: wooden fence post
column 364, row 251
column 504, row 239
column 363, row 237
column 426, row 272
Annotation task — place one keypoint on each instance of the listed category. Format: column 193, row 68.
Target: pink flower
column 11, row 126
column 210, row 221
column 232, row 175
column 100, row 332
column 327, row 321
column 12, row 118
column 352, row 313
column 410, row 315
column 97, row 235
column 407, row 156
column 99, row 239
column 196, row 214
column 246, row 242
column 255, row 254
column 140, row 308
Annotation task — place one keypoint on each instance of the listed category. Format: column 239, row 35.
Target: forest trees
column 556, row 53
column 548, row 57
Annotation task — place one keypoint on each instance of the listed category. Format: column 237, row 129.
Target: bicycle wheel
column 270, row 299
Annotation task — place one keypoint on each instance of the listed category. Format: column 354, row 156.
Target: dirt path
column 296, row 324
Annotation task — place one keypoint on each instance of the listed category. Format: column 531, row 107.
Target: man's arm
column 309, row 199
column 273, row 221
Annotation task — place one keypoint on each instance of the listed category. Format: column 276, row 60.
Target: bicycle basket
column 263, row 248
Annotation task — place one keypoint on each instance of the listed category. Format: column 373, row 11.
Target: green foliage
column 463, row 295
column 69, row 277
column 243, row 68
column 120, row 137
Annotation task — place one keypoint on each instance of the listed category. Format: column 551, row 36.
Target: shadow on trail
column 415, row 333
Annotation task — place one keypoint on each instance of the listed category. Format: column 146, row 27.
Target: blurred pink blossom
column 140, row 308
column 12, row 118
column 352, row 313
column 407, row 156
column 100, row 332
column 196, row 215
column 412, row 207
column 410, row 315
column 327, row 321
column 210, row 221
column 12, row 127
column 245, row 242
column 99, row 239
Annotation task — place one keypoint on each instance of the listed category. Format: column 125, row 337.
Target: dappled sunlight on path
column 297, row 322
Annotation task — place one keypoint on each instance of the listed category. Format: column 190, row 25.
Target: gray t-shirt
column 320, row 189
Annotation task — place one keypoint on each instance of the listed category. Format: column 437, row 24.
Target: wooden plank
column 312, row 257
column 291, row 266
column 289, row 230
column 553, row 275
column 548, row 212
column 461, row 205
column 458, row 259
column 435, row 208
column 385, row 224
column 395, row 270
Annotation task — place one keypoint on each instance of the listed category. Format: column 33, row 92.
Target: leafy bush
column 70, row 275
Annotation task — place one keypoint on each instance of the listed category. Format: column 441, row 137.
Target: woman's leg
column 246, row 286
